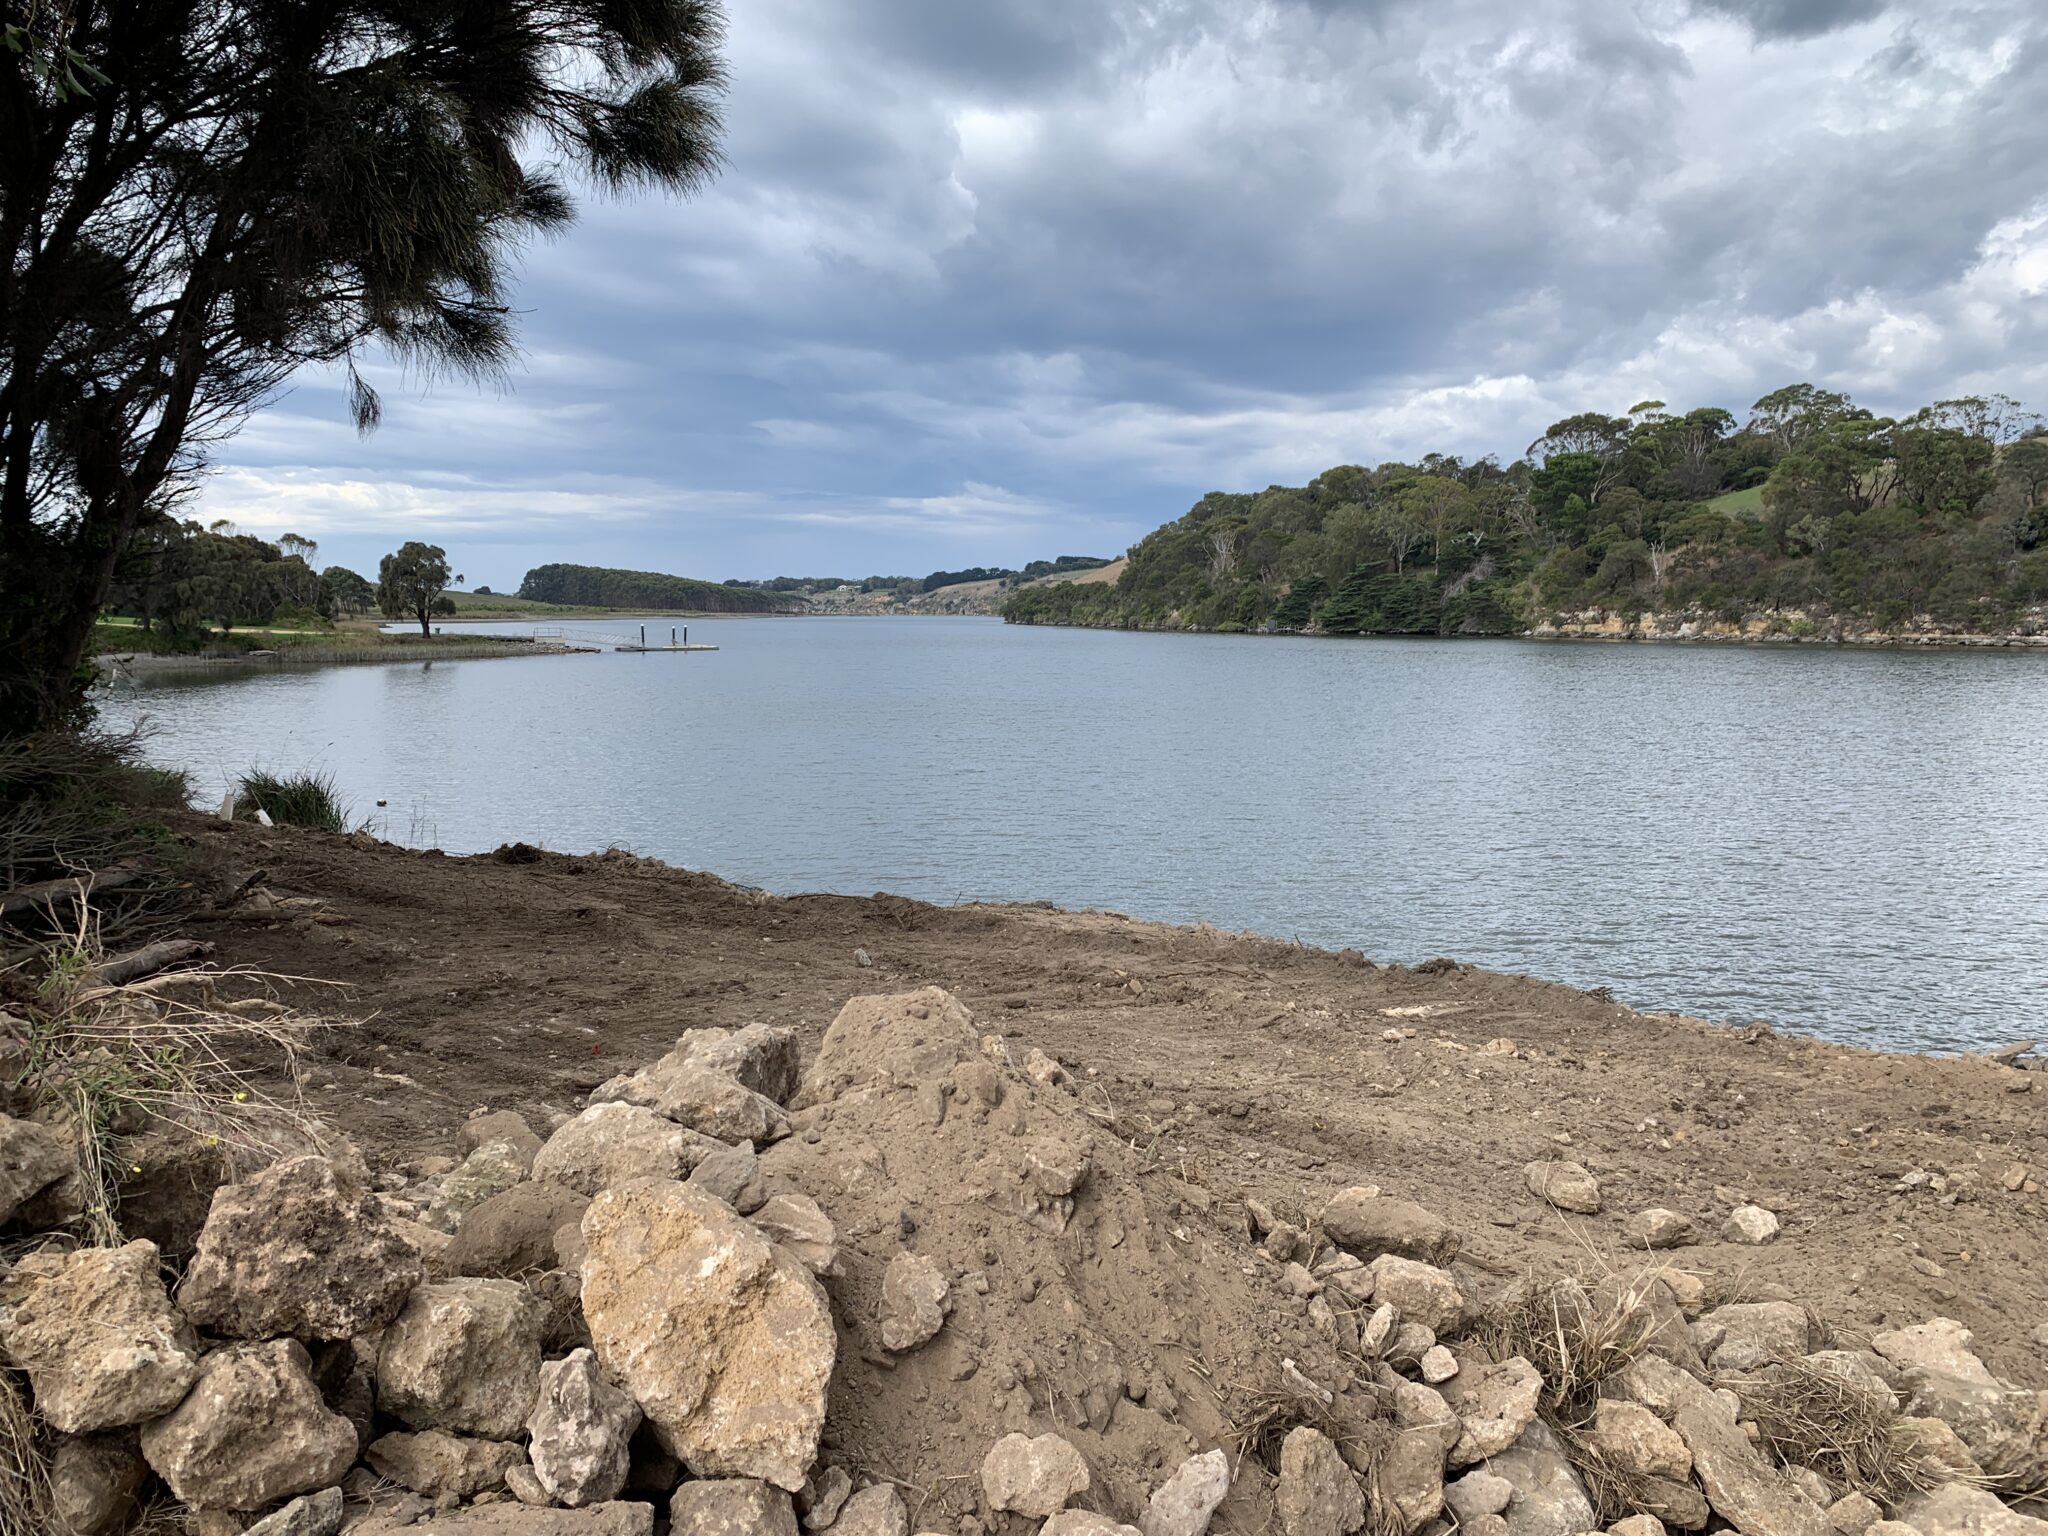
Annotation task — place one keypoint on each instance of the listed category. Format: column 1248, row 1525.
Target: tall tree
column 411, row 580
column 213, row 195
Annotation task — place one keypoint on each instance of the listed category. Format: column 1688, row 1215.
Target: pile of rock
column 732, row 1298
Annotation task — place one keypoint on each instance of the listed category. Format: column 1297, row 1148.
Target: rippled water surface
column 1854, row 844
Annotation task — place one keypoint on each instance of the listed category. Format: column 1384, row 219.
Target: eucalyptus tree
column 198, row 199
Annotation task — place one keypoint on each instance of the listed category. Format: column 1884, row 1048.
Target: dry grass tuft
column 112, row 1061
column 24, row 1464
column 1809, row 1416
column 1270, row 1414
column 1578, row 1336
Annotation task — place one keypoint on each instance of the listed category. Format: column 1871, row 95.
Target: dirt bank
column 1243, row 1067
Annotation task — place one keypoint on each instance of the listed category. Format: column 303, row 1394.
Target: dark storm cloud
column 1797, row 18
column 984, row 280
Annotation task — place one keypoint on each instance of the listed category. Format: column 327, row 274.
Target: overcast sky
column 992, row 280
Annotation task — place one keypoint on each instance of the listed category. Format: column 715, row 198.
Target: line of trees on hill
column 911, row 586
column 592, row 586
column 1812, row 504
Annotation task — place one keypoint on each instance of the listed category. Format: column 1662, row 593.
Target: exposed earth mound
column 940, row 1268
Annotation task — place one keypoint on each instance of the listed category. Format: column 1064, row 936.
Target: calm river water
column 1849, row 843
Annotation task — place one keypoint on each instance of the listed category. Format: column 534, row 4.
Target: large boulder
column 32, row 1158
column 1370, row 1224
column 252, row 1431
column 433, row 1463
column 101, row 1343
column 303, row 1249
column 581, row 1432
column 1317, row 1494
column 762, row 1057
column 464, row 1355
column 701, row 1098
column 905, row 1036
column 1031, row 1475
column 614, row 1143
column 513, row 1233
column 725, row 1340
column 1409, row 1478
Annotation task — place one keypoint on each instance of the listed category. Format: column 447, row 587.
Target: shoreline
column 1957, row 640
column 139, row 662
column 1259, row 1068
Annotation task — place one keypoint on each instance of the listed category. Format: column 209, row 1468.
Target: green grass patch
column 296, row 800
column 1748, row 502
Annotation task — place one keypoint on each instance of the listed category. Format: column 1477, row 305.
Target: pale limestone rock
column 1184, row 1503
column 1568, row 1186
column 1658, row 1228
column 730, row 1506
column 304, row 1248
column 1742, row 1487
column 876, row 1511
column 762, row 1057
column 101, row 1343
column 1940, row 1344
column 819, row 1501
column 490, row 1170
column 1957, row 1509
column 253, row 1430
column 1635, row 1440
column 1549, row 1498
column 1494, row 1404
column 1410, row 1478
column 1854, row 1513
column 1370, row 1224
column 463, row 1356
column 1084, row 1522
column 581, row 1432
column 498, row 1125
column 1317, row 1494
column 313, row 1514
column 1477, row 1494
column 735, row 1176
column 1756, row 1333
column 1032, row 1476
column 1420, row 1293
column 615, row 1143
column 916, row 1296
column 724, row 1339
column 1750, row 1224
column 508, row 1519
column 434, row 1463
column 797, row 1224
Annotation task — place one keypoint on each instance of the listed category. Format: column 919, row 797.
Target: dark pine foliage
column 198, row 198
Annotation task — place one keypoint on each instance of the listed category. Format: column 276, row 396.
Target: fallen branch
column 148, row 960
column 70, row 888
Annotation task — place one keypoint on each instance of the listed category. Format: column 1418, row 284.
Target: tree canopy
column 1812, row 504
column 410, row 581
column 195, row 201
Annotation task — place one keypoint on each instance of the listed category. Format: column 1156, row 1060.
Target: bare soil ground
column 1239, row 1066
